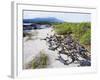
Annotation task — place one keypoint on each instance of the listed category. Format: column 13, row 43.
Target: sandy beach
column 34, row 46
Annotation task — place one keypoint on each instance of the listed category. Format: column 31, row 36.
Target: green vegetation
column 41, row 61
column 86, row 38
column 80, row 31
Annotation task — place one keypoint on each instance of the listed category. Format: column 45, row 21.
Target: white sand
column 33, row 47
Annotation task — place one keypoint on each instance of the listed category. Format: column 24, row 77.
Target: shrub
column 62, row 28
column 80, row 31
column 41, row 61
column 86, row 38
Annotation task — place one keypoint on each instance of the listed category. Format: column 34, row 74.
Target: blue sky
column 68, row 17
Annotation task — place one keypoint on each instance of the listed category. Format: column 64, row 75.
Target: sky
column 68, row 16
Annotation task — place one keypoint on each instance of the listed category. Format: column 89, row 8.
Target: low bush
column 40, row 61
column 80, row 31
column 86, row 38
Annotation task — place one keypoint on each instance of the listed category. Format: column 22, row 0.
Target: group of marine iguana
column 71, row 48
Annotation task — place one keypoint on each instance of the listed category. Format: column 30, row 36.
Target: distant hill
column 48, row 19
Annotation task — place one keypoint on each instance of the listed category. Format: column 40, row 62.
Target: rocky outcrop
column 68, row 46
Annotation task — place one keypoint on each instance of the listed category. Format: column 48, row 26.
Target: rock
column 85, row 63
column 67, row 49
column 62, row 60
